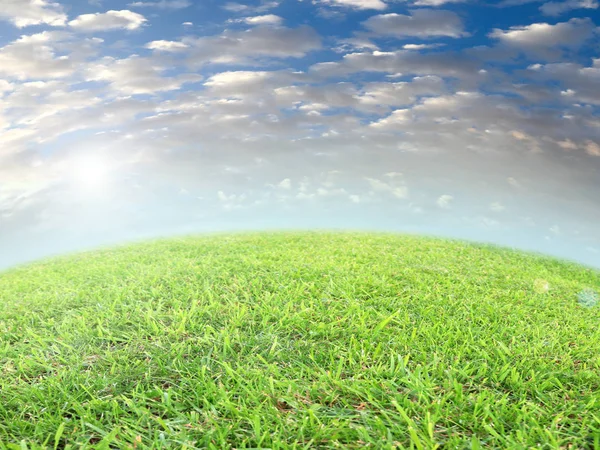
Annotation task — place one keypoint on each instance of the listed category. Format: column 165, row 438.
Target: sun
column 90, row 172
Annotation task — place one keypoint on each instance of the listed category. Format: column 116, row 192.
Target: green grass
column 299, row 340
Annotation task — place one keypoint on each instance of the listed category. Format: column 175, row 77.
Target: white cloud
column 235, row 7
column 36, row 102
column 136, row 75
column 269, row 19
column 592, row 148
column 497, row 207
column 558, row 8
column 351, row 44
column 166, row 46
column 567, row 145
column 322, row 192
column 245, row 46
column 581, row 82
column 246, row 83
column 393, row 174
column 420, row 46
column 357, row 4
column 163, row 4
column 231, row 202
column 315, row 98
column 378, row 95
column 436, row 2
column 513, row 182
column 400, row 192
column 539, row 36
column 400, row 116
column 555, row 229
column 532, row 142
column 23, row 13
column 423, row 23
column 444, row 201
column 264, row 6
column 285, row 184
column 110, row 20
column 304, row 196
column 405, row 62
column 377, row 185
column 506, row 3
column 5, row 86
column 16, row 58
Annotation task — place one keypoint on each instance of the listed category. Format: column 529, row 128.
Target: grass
column 299, row 340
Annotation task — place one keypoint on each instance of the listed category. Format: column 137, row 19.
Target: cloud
column 231, row 202
column 357, row 43
column 136, row 75
column 16, row 58
column 235, row 7
column 558, row 8
column 162, row 4
column 5, row 86
column 497, row 207
column 34, row 102
column 538, row 37
column 110, row 20
column 322, row 192
column 269, row 19
column 533, row 143
column 235, row 47
column 357, row 4
column 437, row 2
column 405, row 62
column 444, row 201
column 166, row 46
column 421, row 46
column 393, row 174
column 45, row 111
column 400, row 116
column 592, row 148
column 555, row 229
column 513, row 182
column 264, row 6
column 239, row 82
column 385, row 94
column 285, row 184
column 396, row 191
column 567, row 145
column 314, row 98
column 423, row 23
column 23, row 13
column 507, row 3
column 580, row 83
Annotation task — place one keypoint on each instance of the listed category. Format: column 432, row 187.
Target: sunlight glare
column 90, row 172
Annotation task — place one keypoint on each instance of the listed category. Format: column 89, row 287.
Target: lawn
column 300, row 340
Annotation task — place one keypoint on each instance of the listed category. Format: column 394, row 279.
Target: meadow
column 300, row 340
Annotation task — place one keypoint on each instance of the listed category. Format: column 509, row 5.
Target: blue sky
column 468, row 119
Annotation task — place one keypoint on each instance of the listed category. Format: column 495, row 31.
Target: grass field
column 300, row 340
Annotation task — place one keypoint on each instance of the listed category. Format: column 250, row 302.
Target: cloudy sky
column 461, row 118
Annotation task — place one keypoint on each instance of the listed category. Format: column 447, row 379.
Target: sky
column 456, row 118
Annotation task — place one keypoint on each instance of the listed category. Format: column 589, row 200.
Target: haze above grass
column 299, row 340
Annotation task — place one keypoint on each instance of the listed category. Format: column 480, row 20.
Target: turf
column 300, row 340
